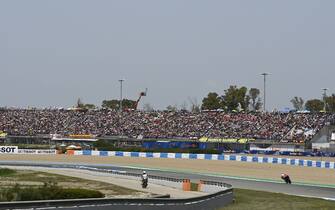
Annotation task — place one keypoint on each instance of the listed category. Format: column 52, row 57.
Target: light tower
column 121, row 81
column 324, row 98
column 264, row 91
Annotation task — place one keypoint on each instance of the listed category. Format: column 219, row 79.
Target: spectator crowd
column 161, row 124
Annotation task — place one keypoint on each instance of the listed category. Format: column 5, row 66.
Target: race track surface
column 294, row 189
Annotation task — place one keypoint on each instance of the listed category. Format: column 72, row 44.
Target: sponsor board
column 8, row 149
column 37, row 151
column 223, row 140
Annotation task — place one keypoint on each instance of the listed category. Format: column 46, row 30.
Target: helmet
column 144, row 172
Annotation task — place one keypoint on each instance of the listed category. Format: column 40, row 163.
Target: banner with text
column 37, row 151
column 8, row 149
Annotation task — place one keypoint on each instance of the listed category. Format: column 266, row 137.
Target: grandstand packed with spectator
column 163, row 124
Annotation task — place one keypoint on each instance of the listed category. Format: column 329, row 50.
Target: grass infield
column 250, row 199
column 6, row 172
column 27, row 184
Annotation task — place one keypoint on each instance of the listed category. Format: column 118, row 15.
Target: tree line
column 327, row 104
column 233, row 99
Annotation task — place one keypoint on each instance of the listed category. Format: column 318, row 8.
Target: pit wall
column 238, row 158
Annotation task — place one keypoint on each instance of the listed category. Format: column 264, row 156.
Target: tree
column 236, row 97
column 89, row 106
column 330, row 103
column 115, row 104
column 298, row 103
column 171, row 108
column 211, row 102
column 256, row 103
column 111, row 104
column 79, row 104
column 128, row 104
column 195, row 107
column 148, row 108
column 183, row 106
column 314, row 105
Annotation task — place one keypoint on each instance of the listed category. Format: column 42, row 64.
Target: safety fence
column 239, row 158
column 181, row 184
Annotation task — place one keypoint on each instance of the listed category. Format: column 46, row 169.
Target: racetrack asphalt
column 245, row 183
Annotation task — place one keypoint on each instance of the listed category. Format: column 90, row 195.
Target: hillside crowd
column 159, row 124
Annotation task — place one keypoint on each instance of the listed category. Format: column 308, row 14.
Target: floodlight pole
column 264, row 91
column 324, row 98
column 121, row 81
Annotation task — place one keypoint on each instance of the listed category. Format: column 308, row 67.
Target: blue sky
column 52, row 52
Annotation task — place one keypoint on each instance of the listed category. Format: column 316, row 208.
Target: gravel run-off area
column 229, row 168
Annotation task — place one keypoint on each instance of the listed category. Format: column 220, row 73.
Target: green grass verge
column 50, row 191
column 25, row 184
column 6, row 172
column 249, row 199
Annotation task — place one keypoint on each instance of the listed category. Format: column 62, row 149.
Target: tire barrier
column 221, row 194
column 211, row 186
column 238, row 158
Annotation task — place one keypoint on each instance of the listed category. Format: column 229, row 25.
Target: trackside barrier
column 211, row 186
column 238, row 158
column 160, row 180
column 200, row 186
column 186, row 185
column 70, row 152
